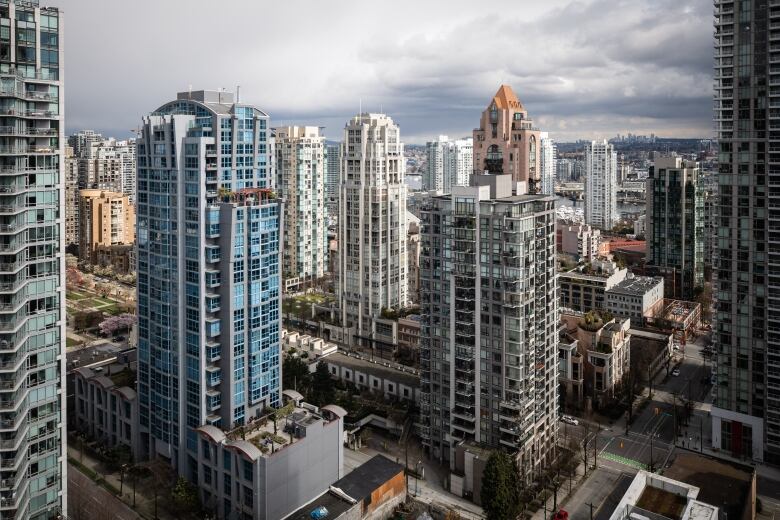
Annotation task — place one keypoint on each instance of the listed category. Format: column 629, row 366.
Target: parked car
column 568, row 419
column 676, row 372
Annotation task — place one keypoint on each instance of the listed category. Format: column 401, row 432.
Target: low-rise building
column 101, row 397
column 636, row 298
column 651, row 496
column 393, row 381
column 583, row 288
column 106, row 405
column 313, row 346
column 579, row 240
column 603, row 356
column 371, row 491
column 728, row 485
column 120, row 257
column 677, row 317
column 272, row 466
column 651, row 351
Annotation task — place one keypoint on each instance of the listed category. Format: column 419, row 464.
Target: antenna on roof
column 189, row 92
column 238, row 93
column 360, row 110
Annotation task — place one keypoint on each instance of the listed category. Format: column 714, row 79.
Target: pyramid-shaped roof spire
column 506, row 98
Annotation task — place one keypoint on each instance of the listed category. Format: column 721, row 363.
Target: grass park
column 300, row 306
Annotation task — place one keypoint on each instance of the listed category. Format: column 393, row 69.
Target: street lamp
column 417, row 475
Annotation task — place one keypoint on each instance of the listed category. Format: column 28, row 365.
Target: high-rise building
column 372, row 223
column 300, row 173
column 33, row 472
column 674, row 225
column 106, row 218
column 601, row 185
column 564, row 169
column 81, row 142
column 489, row 331
column 507, row 140
column 547, row 165
column 107, row 165
column 458, row 163
column 332, row 169
column 71, row 177
column 450, row 163
column 209, row 274
column 433, row 176
column 746, row 274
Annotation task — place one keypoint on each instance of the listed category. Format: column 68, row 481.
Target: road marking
column 624, row 460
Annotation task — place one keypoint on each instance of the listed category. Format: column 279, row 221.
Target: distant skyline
column 585, row 69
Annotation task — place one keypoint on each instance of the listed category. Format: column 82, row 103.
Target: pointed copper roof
column 505, row 98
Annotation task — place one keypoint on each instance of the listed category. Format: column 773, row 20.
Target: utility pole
column 591, row 510
column 701, row 434
column 674, row 416
column 651, row 453
column 650, row 381
column 595, row 447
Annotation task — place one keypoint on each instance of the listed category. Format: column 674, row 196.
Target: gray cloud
column 587, row 68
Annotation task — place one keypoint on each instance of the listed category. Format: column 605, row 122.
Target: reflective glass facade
column 32, row 311
column 208, row 272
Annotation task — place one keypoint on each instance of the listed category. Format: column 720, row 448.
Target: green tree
column 295, row 374
column 501, row 487
column 185, row 496
column 322, row 389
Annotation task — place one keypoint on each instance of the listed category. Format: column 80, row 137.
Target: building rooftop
column 99, row 355
column 636, row 285
column 722, row 483
column 357, row 485
column 368, row 477
column 260, row 438
column 382, row 369
column 506, row 98
column 655, row 497
column 662, row 502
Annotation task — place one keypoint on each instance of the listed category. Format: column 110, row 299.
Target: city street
column 89, row 501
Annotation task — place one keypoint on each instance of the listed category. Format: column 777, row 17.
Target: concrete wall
column 299, row 473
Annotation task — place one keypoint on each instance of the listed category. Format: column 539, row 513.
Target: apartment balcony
column 213, row 400
column 14, row 443
column 463, row 414
column 212, row 278
column 465, row 427
column 213, row 375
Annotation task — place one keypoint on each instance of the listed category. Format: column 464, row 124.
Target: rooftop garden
column 593, row 320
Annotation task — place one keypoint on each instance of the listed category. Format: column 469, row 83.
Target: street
column 89, row 501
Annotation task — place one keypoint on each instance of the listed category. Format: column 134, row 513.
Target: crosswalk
column 623, row 460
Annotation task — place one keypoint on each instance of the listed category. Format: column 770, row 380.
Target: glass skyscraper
column 32, row 266
column 746, row 272
column 208, row 272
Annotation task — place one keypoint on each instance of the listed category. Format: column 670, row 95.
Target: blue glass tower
column 208, row 232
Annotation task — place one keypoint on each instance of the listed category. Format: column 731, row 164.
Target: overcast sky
column 583, row 69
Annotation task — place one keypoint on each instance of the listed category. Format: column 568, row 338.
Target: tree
column 86, row 320
column 501, row 487
column 114, row 324
column 322, row 386
column 185, row 496
column 295, row 374
column 73, row 277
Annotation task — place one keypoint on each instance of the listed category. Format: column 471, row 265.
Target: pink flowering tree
column 114, row 324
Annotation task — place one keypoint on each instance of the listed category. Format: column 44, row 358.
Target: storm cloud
column 583, row 69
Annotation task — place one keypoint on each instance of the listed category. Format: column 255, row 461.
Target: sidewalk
column 144, row 505
column 563, row 494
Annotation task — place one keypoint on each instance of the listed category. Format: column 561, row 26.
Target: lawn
column 75, row 296
column 301, row 306
column 70, row 342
